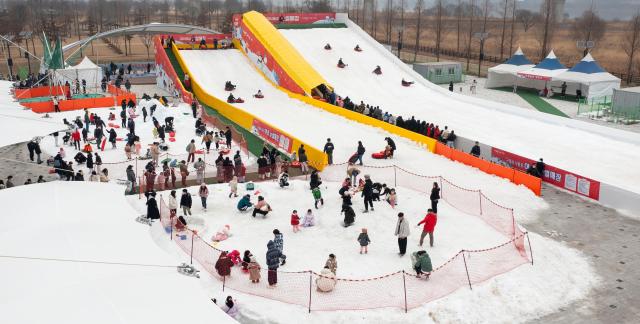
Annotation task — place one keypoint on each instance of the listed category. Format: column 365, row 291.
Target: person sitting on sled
column 231, row 98
column 229, row 86
column 357, row 48
column 341, row 64
column 258, row 95
column 406, row 83
column 378, row 70
column 388, row 152
column 283, row 179
column 327, row 47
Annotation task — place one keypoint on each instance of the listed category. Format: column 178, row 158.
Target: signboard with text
column 555, row 176
column 272, row 135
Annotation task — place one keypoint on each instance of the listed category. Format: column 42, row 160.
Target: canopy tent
column 590, row 78
column 540, row 75
column 85, row 70
column 505, row 74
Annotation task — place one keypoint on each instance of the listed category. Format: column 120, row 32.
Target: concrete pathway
column 24, row 169
column 611, row 242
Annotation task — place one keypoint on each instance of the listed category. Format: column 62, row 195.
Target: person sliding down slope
column 377, row 70
column 327, row 47
column 258, row 95
column 406, row 83
column 228, row 86
column 357, row 48
column 341, row 64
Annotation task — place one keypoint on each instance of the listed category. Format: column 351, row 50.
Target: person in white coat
column 233, row 187
column 402, row 232
column 327, row 280
column 173, row 203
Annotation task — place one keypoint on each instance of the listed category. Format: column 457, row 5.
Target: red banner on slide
column 272, row 135
column 555, row 176
column 195, row 38
column 301, row 18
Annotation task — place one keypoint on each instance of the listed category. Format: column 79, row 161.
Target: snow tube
column 377, row 72
column 112, row 125
column 379, row 155
column 406, row 84
column 295, row 164
column 199, row 152
column 119, row 139
column 341, row 66
column 224, row 151
column 239, row 100
column 222, row 142
column 357, row 49
column 172, row 139
column 229, row 88
column 353, row 158
column 258, row 96
column 172, row 134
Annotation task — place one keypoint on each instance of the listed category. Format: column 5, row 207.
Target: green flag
column 46, row 57
column 57, row 61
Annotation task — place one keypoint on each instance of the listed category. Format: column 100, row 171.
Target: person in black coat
column 185, row 202
column 435, row 196
column 360, row 152
column 194, row 107
column 391, row 143
column 475, row 150
column 131, row 125
column 540, row 167
column 113, row 136
column 315, row 180
column 328, row 149
column 349, row 215
column 367, row 193
column 152, row 207
column 227, row 136
column 31, row 148
column 123, row 115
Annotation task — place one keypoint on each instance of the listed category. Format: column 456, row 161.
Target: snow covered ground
column 589, row 150
column 559, row 275
column 115, row 159
column 295, row 117
column 72, row 222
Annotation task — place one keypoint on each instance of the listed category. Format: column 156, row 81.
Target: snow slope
column 312, row 125
column 589, row 150
column 68, row 223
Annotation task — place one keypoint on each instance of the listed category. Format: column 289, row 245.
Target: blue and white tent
column 590, row 78
column 505, row 74
column 546, row 70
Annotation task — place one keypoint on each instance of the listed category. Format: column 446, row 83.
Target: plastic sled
column 377, row 73
column 295, row 164
column 379, row 155
column 341, row 66
column 258, row 96
column 353, row 158
column 224, row 151
column 239, row 100
column 119, row 139
column 172, row 139
column 199, row 152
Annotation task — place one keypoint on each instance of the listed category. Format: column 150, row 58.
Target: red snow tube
column 172, row 134
column 224, row 151
column 172, row 139
column 119, row 139
column 341, row 66
column 295, row 164
column 222, row 142
column 199, row 152
column 112, row 125
column 377, row 72
column 258, row 96
column 239, row 100
column 379, row 155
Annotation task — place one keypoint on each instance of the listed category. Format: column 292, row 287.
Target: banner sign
column 261, row 58
column 193, row 38
column 534, row 76
column 272, row 135
column 301, row 18
column 555, row 176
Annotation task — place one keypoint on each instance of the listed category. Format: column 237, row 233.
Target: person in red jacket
column 75, row 136
column 224, row 264
column 429, row 222
column 295, row 221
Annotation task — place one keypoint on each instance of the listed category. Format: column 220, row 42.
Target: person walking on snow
column 185, row 202
column 328, row 149
column 434, row 197
column 360, row 152
column 402, row 232
column 367, row 193
column 191, row 149
column 273, row 262
column 429, row 222
column 152, row 207
column 317, row 197
column 224, row 264
column 233, row 187
column 203, row 192
column 302, row 158
column 199, row 166
column 364, row 241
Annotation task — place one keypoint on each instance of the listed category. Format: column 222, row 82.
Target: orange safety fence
column 400, row 289
column 40, row 92
column 513, row 175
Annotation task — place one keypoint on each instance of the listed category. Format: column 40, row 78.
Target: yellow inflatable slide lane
column 317, row 158
column 302, row 73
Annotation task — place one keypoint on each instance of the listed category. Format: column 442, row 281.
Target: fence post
column 191, row 254
column 310, row 276
column 441, row 188
column 480, row 197
column 530, row 251
column 404, row 288
column 466, row 269
column 224, row 282
column 395, row 180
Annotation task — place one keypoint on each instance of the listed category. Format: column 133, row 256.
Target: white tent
column 506, row 74
column 85, row 70
column 544, row 72
column 589, row 77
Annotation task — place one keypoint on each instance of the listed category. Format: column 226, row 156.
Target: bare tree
column 588, row 27
column 470, row 35
column 438, row 26
column 548, row 19
column 631, row 42
column 505, row 9
column 419, row 8
column 458, row 23
column 513, row 25
column 526, row 18
column 389, row 20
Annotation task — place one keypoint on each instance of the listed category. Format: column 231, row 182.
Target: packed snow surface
column 88, row 221
column 589, row 150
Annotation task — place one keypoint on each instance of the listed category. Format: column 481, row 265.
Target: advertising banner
column 272, row 135
column 262, row 59
column 534, row 76
column 301, row 18
column 555, row 176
